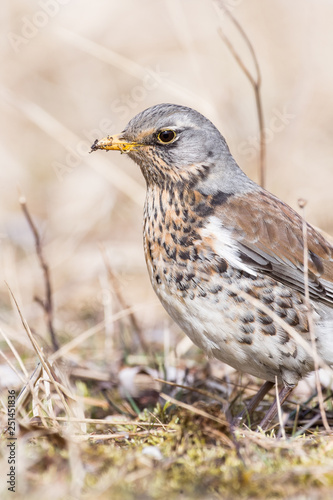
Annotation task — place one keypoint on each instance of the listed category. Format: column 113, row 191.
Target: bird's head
column 173, row 143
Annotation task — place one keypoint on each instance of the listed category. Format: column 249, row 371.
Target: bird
column 233, row 265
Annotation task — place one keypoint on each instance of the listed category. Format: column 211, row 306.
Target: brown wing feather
column 270, row 236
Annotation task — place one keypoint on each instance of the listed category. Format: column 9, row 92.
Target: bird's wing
column 269, row 239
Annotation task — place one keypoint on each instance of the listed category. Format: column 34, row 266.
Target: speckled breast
column 199, row 290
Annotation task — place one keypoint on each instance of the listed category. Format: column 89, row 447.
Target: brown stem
column 122, row 302
column 255, row 82
column 302, row 204
column 46, row 304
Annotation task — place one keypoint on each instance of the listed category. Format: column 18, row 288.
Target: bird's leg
column 284, row 393
column 257, row 398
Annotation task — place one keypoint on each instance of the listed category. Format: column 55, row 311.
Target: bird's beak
column 115, row 142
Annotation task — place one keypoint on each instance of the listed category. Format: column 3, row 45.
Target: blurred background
column 73, row 71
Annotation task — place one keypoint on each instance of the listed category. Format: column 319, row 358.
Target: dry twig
column 194, row 389
column 44, row 362
column 302, row 204
column 255, row 82
column 278, row 403
column 123, row 304
column 202, row 413
column 46, row 304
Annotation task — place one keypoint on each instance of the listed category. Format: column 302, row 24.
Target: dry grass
column 92, row 418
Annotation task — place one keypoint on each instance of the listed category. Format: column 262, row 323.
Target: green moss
column 194, row 464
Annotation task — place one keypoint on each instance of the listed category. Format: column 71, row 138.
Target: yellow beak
column 116, row 143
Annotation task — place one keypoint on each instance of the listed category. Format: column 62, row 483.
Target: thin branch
column 79, row 339
column 194, row 389
column 16, row 354
column 123, row 304
column 197, row 411
column 124, row 435
column 255, row 82
column 44, row 362
column 109, row 422
column 10, row 364
column 46, row 304
column 278, row 404
column 302, row 204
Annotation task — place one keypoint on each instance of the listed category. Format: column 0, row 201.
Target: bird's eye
column 166, row 136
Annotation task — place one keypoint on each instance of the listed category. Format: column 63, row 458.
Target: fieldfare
column 226, row 257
